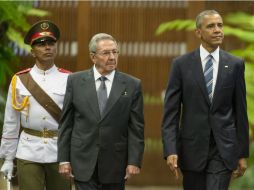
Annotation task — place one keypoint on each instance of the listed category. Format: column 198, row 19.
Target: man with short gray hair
column 101, row 132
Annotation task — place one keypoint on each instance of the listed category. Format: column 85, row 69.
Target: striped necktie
column 208, row 73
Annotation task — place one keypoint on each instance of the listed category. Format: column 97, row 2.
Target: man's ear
column 32, row 52
column 92, row 56
column 198, row 32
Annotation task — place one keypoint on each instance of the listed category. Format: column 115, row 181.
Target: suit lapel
column 221, row 73
column 90, row 92
column 198, row 74
column 117, row 89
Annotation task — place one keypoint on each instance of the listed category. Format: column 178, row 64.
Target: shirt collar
column 40, row 71
column 109, row 76
column 204, row 53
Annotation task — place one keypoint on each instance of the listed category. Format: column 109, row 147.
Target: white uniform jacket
column 33, row 116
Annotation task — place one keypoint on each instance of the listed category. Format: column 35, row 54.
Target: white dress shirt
column 204, row 55
column 108, row 82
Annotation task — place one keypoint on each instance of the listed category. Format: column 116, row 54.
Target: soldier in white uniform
column 34, row 102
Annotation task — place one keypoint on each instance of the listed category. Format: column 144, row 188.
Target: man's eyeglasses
column 108, row 53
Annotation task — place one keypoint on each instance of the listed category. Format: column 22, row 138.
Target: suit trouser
column 95, row 184
column 38, row 176
column 215, row 176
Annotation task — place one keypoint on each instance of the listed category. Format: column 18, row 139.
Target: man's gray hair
column 98, row 37
column 201, row 15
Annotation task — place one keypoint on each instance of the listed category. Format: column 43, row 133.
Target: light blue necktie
column 208, row 73
column 102, row 94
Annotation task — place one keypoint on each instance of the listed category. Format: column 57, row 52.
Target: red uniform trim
column 63, row 70
column 23, row 71
column 42, row 34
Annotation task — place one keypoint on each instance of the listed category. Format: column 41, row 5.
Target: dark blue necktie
column 102, row 94
column 208, row 73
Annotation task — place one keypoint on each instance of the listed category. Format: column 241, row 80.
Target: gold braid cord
column 15, row 104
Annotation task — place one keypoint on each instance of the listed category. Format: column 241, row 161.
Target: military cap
column 42, row 31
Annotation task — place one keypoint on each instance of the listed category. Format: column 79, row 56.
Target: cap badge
column 44, row 26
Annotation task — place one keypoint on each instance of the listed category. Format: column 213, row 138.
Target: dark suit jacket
column 189, row 116
column 113, row 140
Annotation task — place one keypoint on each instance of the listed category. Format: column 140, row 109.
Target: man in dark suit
column 101, row 133
column 205, row 124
